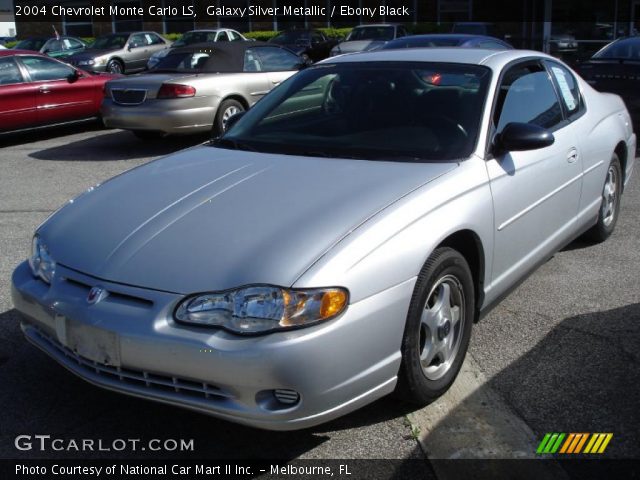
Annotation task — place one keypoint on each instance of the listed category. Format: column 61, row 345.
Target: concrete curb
column 471, row 421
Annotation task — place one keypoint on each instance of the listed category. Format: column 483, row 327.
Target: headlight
column 261, row 309
column 41, row 263
column 101, row 61
column 86, row 62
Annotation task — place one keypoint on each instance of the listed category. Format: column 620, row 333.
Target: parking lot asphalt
column 561, row 350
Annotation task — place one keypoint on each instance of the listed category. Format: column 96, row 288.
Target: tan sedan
column 197, row 88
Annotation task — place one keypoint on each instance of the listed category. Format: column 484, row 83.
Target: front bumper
column 335, row 368
column 170, row 116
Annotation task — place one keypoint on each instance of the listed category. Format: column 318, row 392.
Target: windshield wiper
column 232, row 144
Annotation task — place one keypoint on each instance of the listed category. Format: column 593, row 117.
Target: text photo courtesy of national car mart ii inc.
column 37, row 11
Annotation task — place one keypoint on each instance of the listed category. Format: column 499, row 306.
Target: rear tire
column 226, row 109
column 438, row 327
column 610, row 207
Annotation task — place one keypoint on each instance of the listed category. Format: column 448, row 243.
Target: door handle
column 572, row 155
column 44, row 90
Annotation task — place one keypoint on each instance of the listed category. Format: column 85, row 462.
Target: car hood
column 360, row 45
column 213, row 219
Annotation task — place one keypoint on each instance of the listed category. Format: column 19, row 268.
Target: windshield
column 31, row 44
column 190, row 38
column 394, row 111
column 371, row 33
column 183, row 62
column 622, row 49
column 107, row 42
column 290, row 37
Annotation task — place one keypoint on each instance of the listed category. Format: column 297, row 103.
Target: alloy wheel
column 441, row 327
column 610, row 196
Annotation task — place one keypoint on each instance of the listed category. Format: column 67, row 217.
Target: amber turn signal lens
column 333, row 302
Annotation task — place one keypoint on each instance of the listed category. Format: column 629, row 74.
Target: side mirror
column 233, row 119
column 522, row 136
column 132, row 46
column 73, row 76
column 46, row 51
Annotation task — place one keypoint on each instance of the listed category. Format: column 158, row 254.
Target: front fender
column 392, row 247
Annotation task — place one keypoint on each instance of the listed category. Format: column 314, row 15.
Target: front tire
column 610, row 207
column 115, row 66
column 226, row 110
column 438, row 327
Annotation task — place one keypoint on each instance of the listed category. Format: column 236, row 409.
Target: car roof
column 494, row 59
column 210, row 30
column 226, row 56
column 222, row 46
column 465, row 36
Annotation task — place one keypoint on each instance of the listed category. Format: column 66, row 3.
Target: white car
column 198, row 36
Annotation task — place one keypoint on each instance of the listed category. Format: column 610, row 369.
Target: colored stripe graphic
column 567, row 443
column 543, row 443
column 606, row 441
column 574, row 443
column 581, row 443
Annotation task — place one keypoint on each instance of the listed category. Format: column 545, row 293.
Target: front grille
column 83, row 289
column 128, row 96
column 126, row 376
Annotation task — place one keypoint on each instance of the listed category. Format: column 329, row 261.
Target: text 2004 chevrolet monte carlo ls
column 337, row 243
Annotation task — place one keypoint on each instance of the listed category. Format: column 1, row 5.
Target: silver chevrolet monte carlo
column 337, row 243
column 197, row 88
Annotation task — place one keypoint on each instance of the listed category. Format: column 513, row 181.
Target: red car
column 37, row 90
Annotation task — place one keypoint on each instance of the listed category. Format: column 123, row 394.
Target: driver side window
column 527, row 95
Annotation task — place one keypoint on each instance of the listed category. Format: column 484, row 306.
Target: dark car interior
column 387, row 113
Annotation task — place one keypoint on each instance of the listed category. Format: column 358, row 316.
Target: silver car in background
column 119, row 52
column 198, row 36
column 197, row 88
column 337, row 243
column 369, row 37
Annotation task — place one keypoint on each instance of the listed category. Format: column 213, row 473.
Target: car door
column 279, row 64
column 137, row 52
column 17, row 97
column 257, row 84
column 59, row 97
column 535, row 193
